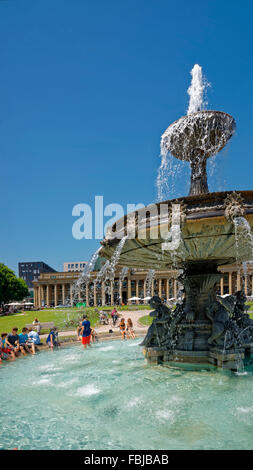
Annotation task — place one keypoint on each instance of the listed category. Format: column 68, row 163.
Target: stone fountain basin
column 207, row 235
column 203, row 133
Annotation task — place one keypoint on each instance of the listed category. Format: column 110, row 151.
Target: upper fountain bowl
column 203, row 133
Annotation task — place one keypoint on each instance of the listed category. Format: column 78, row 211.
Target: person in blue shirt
column 23, row 342
column 86, row 332
column 51, row 339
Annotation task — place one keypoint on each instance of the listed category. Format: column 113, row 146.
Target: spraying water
column 196, row 90
column 108, row 270
column 123, row 273
column 85, row 274
column 243, row 239
column 170, row 170
column 148, row 281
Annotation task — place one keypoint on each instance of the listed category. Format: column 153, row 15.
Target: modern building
column 73, row 266
column 30, row 271
column 58, row 288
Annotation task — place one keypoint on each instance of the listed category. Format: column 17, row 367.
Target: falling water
column 170, row 169
column 101, row 274
column 171, row 175
column 123, row 273
column 108, row 270
column 243, row 239
column 148, row 281
column 116, row 255
column 85, row 274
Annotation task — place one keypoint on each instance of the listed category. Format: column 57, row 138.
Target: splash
column 85, row 275
column 243, row 240
column 170, row 169
column 108, row 270
column 148, row 281
column 123, row 273
column 196, row 90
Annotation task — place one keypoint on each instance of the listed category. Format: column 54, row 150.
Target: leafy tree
column 11, row 287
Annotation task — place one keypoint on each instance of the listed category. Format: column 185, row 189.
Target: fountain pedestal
column 200, row 329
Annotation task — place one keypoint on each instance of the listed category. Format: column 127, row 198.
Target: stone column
column 222, row 286
column 103, row 293
column 55, row 295
column 71, row 294
column 39, row 297
column 167, row 289
column 160, row 288
column 112, row 292
column 152, row 287
column 79, row 293
column 35, row 297
column 95, row 294
column 63, row 294
column 230, row 284
column 129, row 290
column 48, row 301
column 175, row 288
column 87, row 294
column 238, row 281
column 246, row 285
column 144, row 290
column 137, row 290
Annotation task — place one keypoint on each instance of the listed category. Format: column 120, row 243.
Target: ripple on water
column 106, row 348
column 245, row 414
column 87, row 390
column 42, row 381
column 128, row 403
column 166, row 415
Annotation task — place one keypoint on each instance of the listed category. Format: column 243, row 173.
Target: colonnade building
column 52, row 289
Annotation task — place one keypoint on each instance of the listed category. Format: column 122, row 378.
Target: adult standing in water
column 86, row 332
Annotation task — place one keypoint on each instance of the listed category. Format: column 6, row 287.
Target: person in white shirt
column 33, row 336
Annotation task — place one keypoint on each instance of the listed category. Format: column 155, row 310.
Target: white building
column 73, row 266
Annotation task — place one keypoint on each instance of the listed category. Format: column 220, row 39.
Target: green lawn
column 65, row 319
column 145, row 320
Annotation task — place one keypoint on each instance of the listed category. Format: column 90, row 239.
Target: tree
column 11, row 287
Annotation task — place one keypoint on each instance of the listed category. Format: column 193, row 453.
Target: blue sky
column 86, row 90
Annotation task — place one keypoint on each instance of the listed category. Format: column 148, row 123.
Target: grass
column 65, row 319
column 146, row 320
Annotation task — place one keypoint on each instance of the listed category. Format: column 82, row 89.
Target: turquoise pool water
column 109, row 398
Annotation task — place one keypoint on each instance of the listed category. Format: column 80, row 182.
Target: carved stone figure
column 158, row 330
column 219, row 317
column 234, row 206
column 244, row 322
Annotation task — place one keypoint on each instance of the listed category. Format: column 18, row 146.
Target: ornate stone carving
column 234, row 206
column 157, row 334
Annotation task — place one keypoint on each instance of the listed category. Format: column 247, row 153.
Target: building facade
column 59, row 288
column 73, row 266
column 30, row 272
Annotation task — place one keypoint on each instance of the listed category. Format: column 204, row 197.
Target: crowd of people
column 14, row 344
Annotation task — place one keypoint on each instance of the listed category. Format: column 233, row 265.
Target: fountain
column 201, row 329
